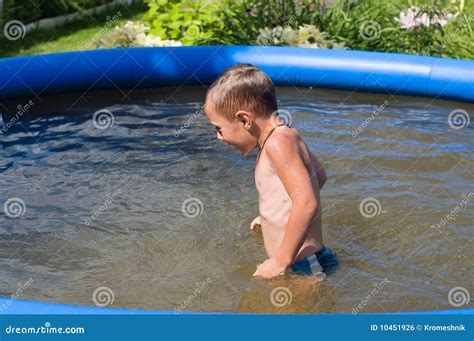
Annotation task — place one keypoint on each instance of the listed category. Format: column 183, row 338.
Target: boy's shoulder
column 283, row 144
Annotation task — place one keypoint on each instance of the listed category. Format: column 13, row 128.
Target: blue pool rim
column 18, row 307
column 132, row 68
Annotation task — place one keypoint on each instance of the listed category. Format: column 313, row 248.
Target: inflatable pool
column 15, row 307
column 24, row 77
column 151, row 67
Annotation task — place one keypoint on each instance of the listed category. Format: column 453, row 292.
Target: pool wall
column 131, row 68
column 15, row 307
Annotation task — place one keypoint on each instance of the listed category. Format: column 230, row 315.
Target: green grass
column 71, row 37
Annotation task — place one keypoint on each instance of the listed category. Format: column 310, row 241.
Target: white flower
column 133, row 34
column 304, row 36
column 289, row 36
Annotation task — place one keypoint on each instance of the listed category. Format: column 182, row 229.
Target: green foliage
column 77, row 35
column 191, row 21
column 253, row 15
column 31, row 10
column 371, row 25
column 363, row 25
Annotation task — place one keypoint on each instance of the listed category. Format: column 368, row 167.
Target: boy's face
column 233, row 132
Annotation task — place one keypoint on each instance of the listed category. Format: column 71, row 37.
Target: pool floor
column 155, row 212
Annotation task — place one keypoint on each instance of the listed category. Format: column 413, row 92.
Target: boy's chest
column 267, row 181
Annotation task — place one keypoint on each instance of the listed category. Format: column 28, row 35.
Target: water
column 104, row 208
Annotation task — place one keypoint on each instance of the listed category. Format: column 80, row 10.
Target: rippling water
column 157, row 210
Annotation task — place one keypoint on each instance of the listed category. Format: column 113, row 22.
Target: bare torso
column 275, row 203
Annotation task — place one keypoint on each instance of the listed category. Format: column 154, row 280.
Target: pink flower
column 414, row 17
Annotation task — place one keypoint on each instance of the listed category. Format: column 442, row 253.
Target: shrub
column 192, row 21
column 32, row 10
column 132, row 34
column 304, row 36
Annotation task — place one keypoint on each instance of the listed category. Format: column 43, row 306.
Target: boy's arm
column 289, row 166
column 320, row 171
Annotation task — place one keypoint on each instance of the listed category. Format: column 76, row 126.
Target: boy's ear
column 245, row 118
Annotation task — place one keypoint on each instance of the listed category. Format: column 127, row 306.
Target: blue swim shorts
column 324, row 260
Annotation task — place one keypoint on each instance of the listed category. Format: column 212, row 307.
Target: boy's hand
column 256, row 222
column 270, row 268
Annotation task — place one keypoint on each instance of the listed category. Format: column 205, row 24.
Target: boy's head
column 241, row 97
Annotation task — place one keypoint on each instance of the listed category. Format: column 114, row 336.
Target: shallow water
column 104, row 208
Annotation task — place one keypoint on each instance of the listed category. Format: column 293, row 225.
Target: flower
column 133, row 34
column 304, row 36
column 289, row 36
column 415, row 17
column 251, row 10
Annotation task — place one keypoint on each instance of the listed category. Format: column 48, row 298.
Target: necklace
column 266, row 138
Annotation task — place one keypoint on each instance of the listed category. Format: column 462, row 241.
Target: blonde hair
column 242, row 87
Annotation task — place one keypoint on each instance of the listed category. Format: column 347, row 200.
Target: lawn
column 71, row 37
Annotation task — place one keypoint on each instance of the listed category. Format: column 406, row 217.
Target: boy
column 241, row 105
